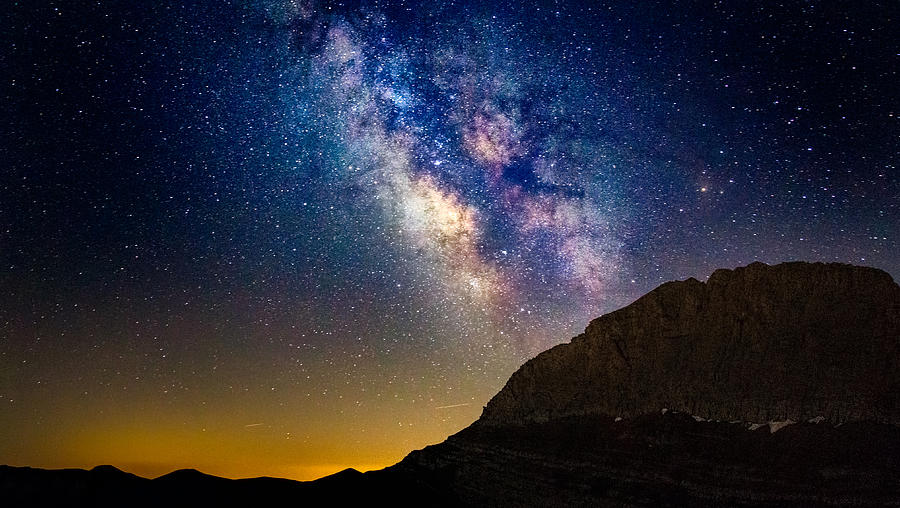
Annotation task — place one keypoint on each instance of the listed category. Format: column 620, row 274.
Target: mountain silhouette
column 764, row 386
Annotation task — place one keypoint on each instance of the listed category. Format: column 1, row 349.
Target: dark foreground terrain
column 107, row 486
column 764, row 386
column 653, row 460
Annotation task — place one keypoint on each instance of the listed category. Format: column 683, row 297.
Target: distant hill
column 106, row 486
column 764, row 386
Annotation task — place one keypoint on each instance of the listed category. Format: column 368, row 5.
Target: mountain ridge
column 659, row 403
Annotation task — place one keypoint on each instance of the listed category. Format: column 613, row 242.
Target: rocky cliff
column 664, row 402
column 795, row 341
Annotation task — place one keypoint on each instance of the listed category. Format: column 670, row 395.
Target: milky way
column 288, row 237
column 445, row 160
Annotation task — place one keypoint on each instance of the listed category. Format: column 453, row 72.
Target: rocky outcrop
column 761, row 343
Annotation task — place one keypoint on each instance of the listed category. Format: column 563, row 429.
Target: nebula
column 491, row 139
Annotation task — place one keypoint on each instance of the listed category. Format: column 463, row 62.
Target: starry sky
column 286, row 237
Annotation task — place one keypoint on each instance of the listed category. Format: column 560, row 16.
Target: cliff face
column 761, row 343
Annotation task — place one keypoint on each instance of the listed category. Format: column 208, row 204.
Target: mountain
column 764, row 386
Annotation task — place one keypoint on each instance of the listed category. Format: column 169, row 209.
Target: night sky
column 283, row 238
